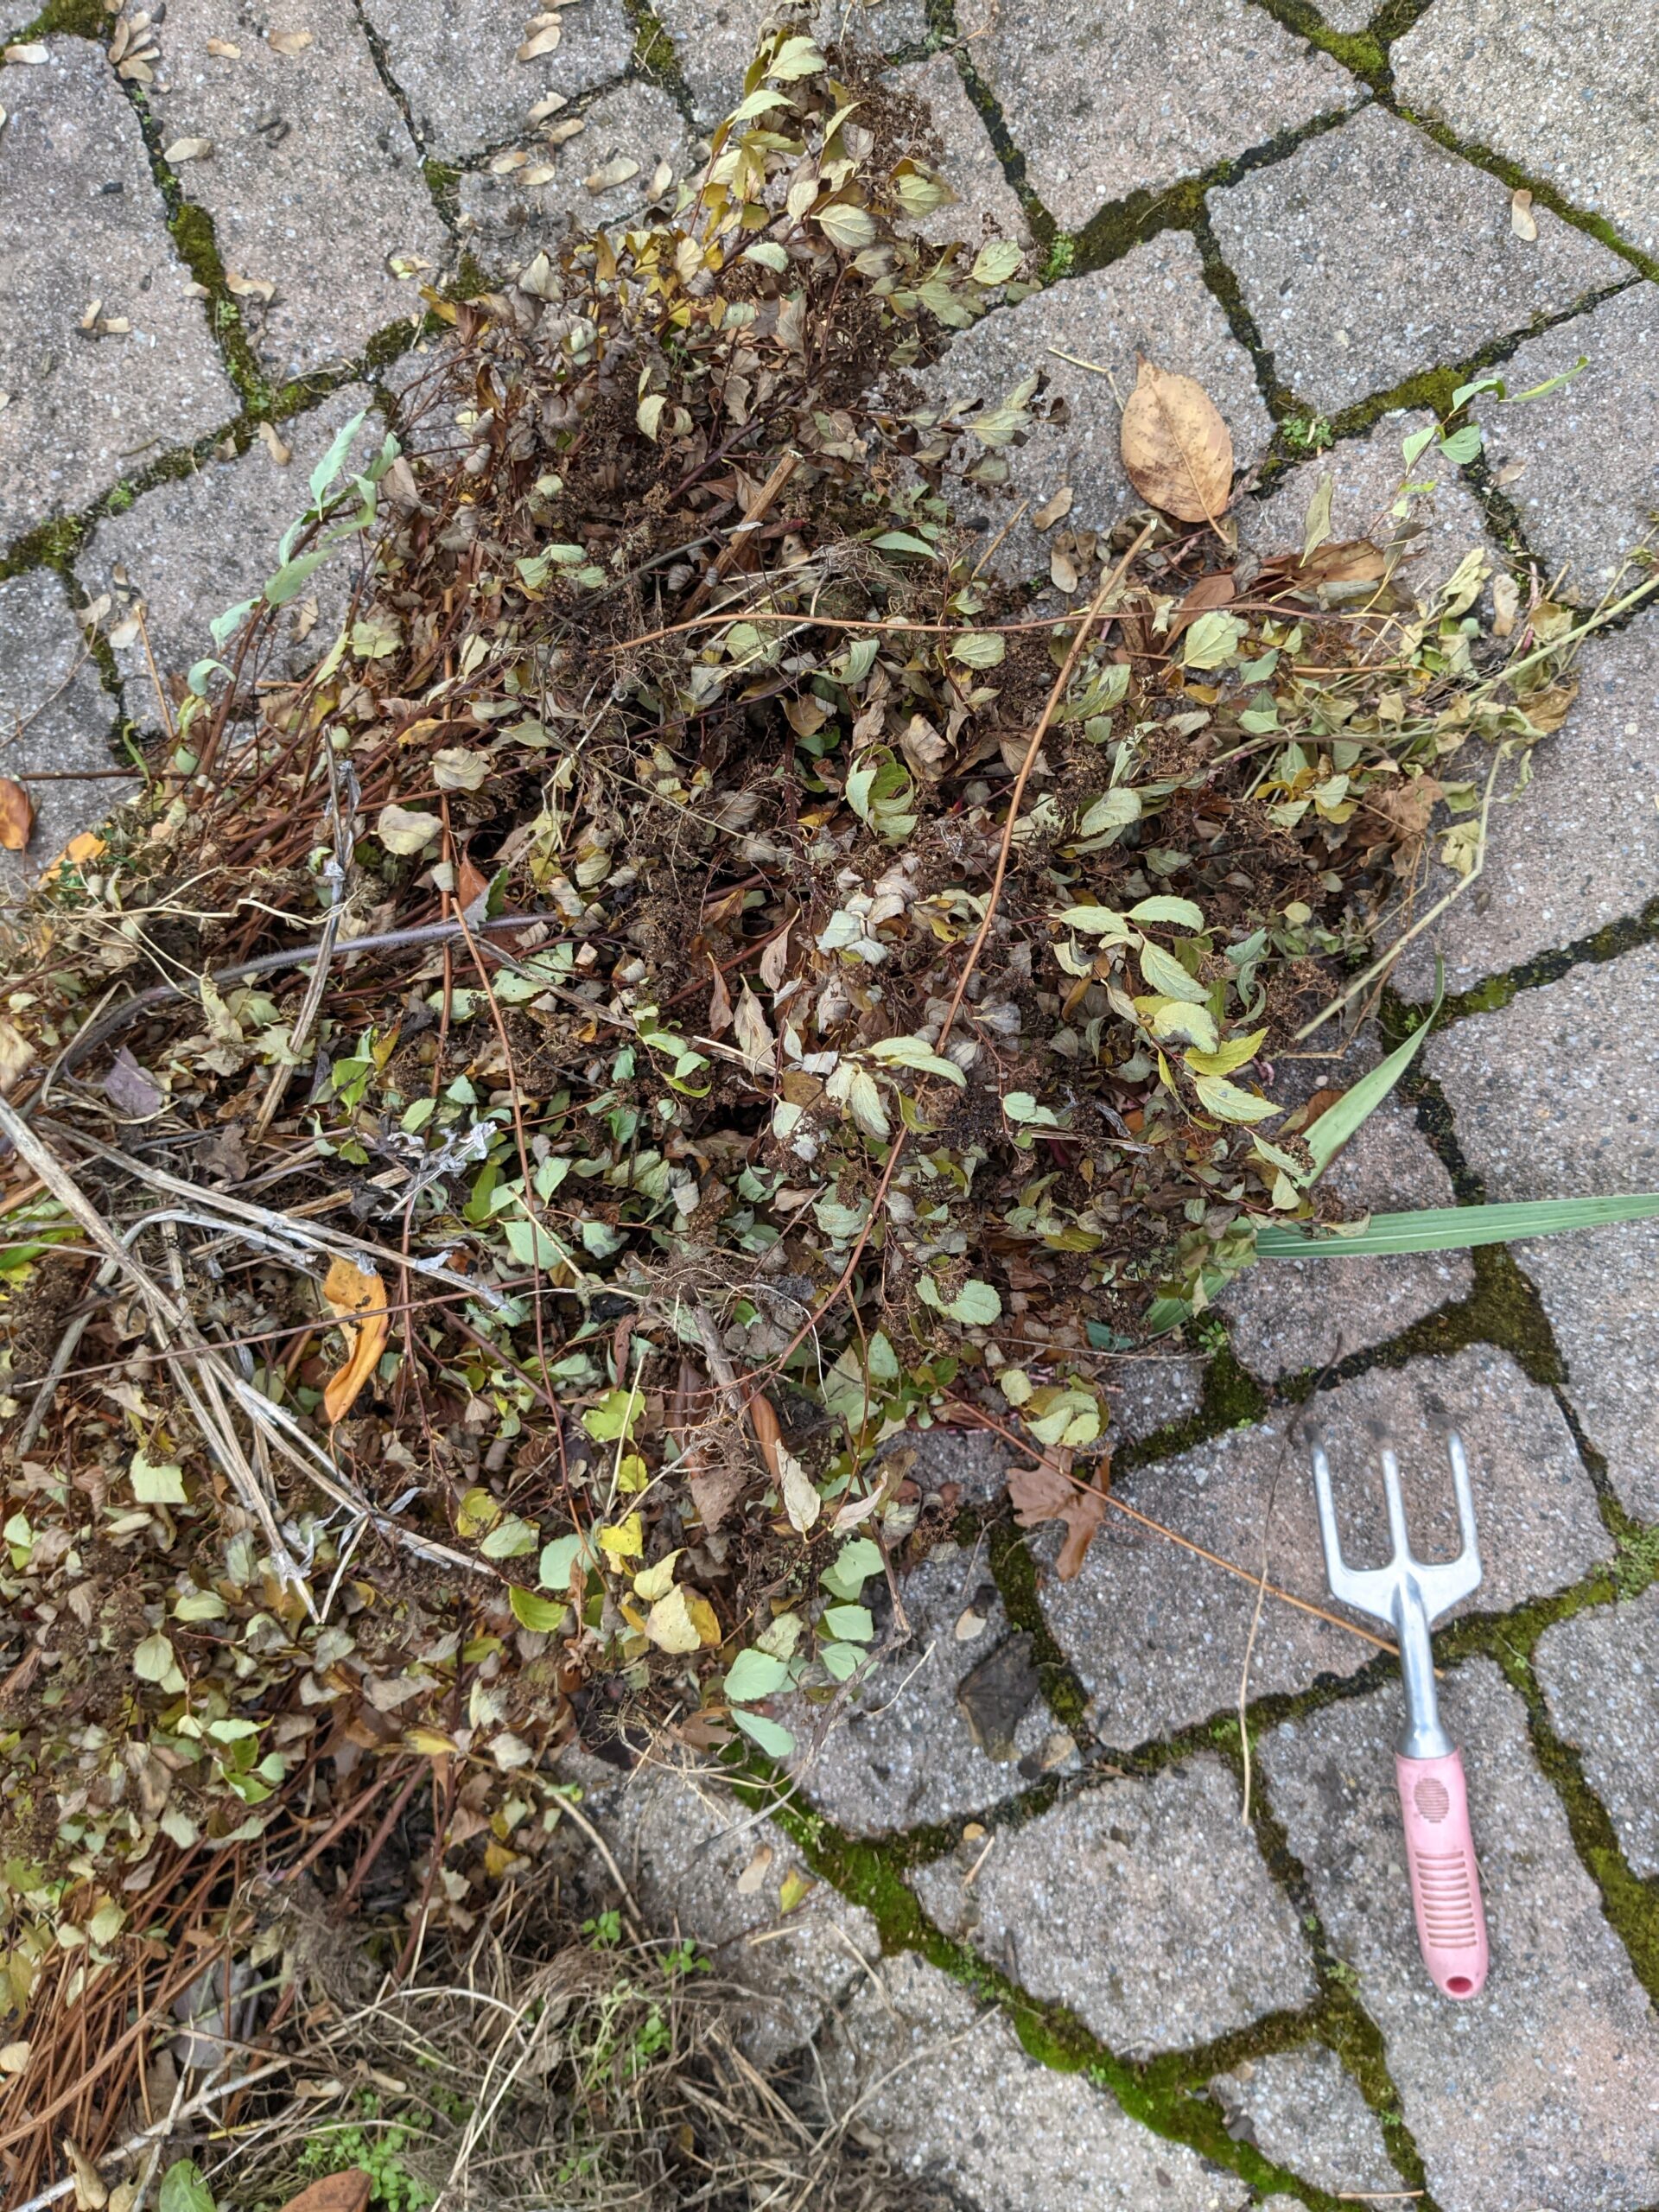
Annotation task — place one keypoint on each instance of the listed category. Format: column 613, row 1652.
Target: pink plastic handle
column 1445, row 1880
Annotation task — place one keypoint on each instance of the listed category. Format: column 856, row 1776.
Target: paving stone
column 1151, row 1390
column 1588, row 491
column 83, row 222
column 454, row 61
column 1105, row 103
column 1158, row 1636
column 902, row 1750
column 187, row 550
column 1372, row 252
column 1564, row 87
column 1440, row 527
column 1304, row 2110
column 972, row 1458
column 1557, row 1095
column 1153, row 302
column 1580, row 848
column 986, row 205
column 960, row 2101
column 1285, row 1315
column 54, row 717
column 505, row 216
column 700, row 1864
column 1544, row 2090
column 1144, row 1906
column 314, row 182
column 1348, row 15
column 1600, row 1676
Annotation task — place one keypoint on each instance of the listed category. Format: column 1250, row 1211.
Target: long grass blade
column 1337, row 1123
column 1448, row 1228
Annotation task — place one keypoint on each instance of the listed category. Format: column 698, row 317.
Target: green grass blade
column 1337, row 1123
column 1446, row 1228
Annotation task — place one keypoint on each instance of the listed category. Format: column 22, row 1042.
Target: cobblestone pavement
column 1046, row 1935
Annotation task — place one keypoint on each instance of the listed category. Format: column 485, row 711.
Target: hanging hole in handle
column 1459, row 1985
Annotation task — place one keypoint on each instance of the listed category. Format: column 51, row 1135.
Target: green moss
column 49, row 545
column 1626, row 935
column 444, row 183
column 70, row 18
column 1014, row 1572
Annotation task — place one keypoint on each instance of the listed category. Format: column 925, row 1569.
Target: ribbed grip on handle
column 1445, row 1880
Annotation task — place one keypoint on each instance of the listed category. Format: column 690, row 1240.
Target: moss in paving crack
column 444, row 183
column 192, row 227
column 1014, row 1572
column 654, row 51
column 49, row 545
column 70, row 18
column 1627, row 935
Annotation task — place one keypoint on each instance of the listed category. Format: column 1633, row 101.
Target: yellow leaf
column 350, row 1290
column 16, row 816
column 793, row 1887
column 682, row 1621
column 653, row 1582
column 432, row 1742
column 622, row 1540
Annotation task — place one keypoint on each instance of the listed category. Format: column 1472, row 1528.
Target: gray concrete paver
column 1304, row 2110
column 55, row 718
column 1287, row 1315
column 1600, row 1676
column 902, row 1750
column 1557, row 1095
column 963, row 2104
column 1105, row 103
column 1579, row 848
column 190, row 549
column 1372, row 252
column 83, row 226
column 1144, row 1906
column 505, row 216
column 1587, row 454
column 455, row 63
column 1563, row 87
column 1158, row 1636
column 314, row 182
column 1153, row 302
column 1540, row 2092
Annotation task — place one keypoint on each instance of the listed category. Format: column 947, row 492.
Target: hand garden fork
column 1429, row 1767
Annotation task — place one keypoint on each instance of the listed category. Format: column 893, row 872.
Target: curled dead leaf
column 289, row 42
column 353, row 1291
column 1055, row 511
column 1176, row 451
column 16, row 816
column 1523, row 221
column 1045, row 1492
column 347, row 2192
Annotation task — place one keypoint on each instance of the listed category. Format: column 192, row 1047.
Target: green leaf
column 900, row 541
column 752, row 1674
column 153, row 1660
column 1019, row 1106
column 293, row 576
column 1451, row 1229
column 183, row 2189
column 1229, row 1104
column 543, row 1615
column 1163, row 908
column 850, row 1624
column 1338, row 1122
column 996, row 262
column 156, row 1485
column 1116, row 810
column 511, row 1538
column 558, row 1559
column 1099, row 921
column 795, row 57
column 613, row 1416
column 854, row 1564
column 976, row 1304
column 1463, row 445
column 1213, row 640
column 1165, row 975
column 1179, row 1021
column 777, row 1743
column 842, row 1660
column 848, row 226
column 334, row 460
column 533, row 1246
column 979, row 649
column 913, row 1052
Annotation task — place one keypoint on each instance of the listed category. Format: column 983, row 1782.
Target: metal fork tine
column 1465, row 1497
column 1335, row 1567
column 1397, row 1530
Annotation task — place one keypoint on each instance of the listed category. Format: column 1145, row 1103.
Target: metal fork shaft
column 1422, row 1737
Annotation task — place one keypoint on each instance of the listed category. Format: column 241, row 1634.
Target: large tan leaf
column 1046, row 1492
column 351, row 1291
column 16, row 816
column 1176, row 448
column 347, row 2192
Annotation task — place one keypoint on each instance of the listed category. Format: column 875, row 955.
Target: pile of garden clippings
column 708, row 971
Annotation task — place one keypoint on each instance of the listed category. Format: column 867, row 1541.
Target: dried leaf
column 188, row 150
column 1045, row 1493
column 720, row 1003
column 289, row 42
column 350, row 1290
column 130, row 1089
column 1061, row 572
column 225, row 49
column 801, row 1501
column 1056, row 509
column 1177, row 450
column 17, row 1055
column 347, row 2192
column 280, row 454
column 616, row 171
column 16, row 816
column 683, row 1620
column 249, row 288
column 541, row 41
column 1523, row 221
column 754, row 1040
